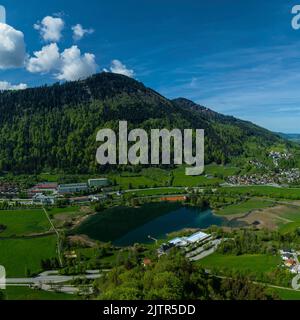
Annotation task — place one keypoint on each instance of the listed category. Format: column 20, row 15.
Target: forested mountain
column 54, row 127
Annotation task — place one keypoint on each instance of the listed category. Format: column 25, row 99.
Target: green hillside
column 54, row 128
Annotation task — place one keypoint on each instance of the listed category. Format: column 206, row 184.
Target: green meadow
column 21, row 255
column 291, row 213
column 256, row 263
column 182, row 180
column 23, row 222
column 263, row 191
column 244, row 207
column 155, row 192
column 25, row 293
column 286, row 294
column 71, row 210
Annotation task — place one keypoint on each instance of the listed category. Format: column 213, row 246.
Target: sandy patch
column 82, row 240
column 266, row 218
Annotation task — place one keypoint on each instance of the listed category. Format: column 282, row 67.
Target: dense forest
column 173, row 277
column 54, row 128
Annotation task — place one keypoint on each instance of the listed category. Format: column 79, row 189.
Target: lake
column 125, row 226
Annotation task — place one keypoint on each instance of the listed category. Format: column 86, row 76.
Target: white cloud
column 4, row 85
column 79, row 32
column 45, row 60
column 12, row 47
column 69, row 65
column 50, row 28
column 76, row 66
column 118, row 67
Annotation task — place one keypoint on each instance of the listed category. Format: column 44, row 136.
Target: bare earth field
column 272, row 218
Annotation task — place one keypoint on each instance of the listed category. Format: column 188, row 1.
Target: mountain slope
column 54, row 128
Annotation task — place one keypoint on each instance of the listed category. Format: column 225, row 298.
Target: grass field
column 225, row 171
column 25, row 293
column 67, row 210
column 147, row 178
column 286, row 294
column 244, row 207
column 245, row 263
column 263, row 191
column 182, row 180
column 23, row 222
column 291, row 213
column 155, row 192
column 17, row 255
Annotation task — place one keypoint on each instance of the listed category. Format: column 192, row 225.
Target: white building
column 185, row 241
column 42, row 199
column 197, row 237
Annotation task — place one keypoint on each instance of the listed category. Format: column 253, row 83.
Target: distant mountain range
column 54, row 127
column 295, row 137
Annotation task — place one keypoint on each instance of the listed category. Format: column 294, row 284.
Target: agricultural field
column 19, row 223
column 255, row 263
column 224, row 171
column 155, row 192
column 263, row 191
column 244, row 207
column 20, row 256
column 292, row 216
column 147, row 178
column 182, row 180
column 71, row 210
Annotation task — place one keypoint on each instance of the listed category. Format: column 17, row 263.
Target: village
column 291, row 176
column 277, row 176
column 47, row 193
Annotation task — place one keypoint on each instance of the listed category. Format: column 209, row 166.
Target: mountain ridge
column 54, row 127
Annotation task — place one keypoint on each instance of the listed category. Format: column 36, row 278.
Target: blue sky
column 237, row 57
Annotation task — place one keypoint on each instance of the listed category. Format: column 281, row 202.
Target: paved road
column 296, row 282
column 50, row 277
column 208, row 252
column 57, row 234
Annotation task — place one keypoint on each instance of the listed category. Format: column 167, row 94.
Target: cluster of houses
column 290, row 260
column 289, row 176
column 276, row 156
column 253, row 179
column 8, row 189
column 281, row 177
column 47, row 193
column 183, row 242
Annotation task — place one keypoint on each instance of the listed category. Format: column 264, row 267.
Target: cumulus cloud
column 79, row 32
column 50, row 28
column 4, row 85
column 118, row 67
column 45, row 60
column 12, row 47
column 69, row 65
column 76, row 66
